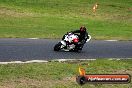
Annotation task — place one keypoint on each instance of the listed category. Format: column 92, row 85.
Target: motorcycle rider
column 83, row 36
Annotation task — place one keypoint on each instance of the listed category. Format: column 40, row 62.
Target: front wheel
column 57, row 47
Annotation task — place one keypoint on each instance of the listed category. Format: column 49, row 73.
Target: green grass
column 53, row 18
column 60, row 74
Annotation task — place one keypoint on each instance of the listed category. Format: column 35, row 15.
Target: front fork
column 63, row 44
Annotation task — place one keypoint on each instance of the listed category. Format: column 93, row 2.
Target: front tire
column 57, row 47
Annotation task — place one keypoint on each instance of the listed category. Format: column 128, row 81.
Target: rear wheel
column 57, row 47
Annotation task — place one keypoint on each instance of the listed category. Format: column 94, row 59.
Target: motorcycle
column 69, row 43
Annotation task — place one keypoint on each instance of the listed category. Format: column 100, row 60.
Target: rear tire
column 57, row 47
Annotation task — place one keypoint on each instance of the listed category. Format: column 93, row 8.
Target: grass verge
column 60, row 74
column 53, row 18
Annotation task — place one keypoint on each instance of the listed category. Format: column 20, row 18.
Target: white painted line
column 110, row 59
column 118, row 59
column 63, row 60
column 21, row 62
column 17, row 62
column 33, row 38
column 13, row 62
column 44, row 61
column 59, row 60
column 114, row 59
column 36, row 61
column 4, row 62
column 110, row 40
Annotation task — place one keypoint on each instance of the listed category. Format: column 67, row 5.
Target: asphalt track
column 42, row 49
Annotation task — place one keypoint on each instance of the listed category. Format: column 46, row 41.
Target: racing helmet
column 83, row 28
